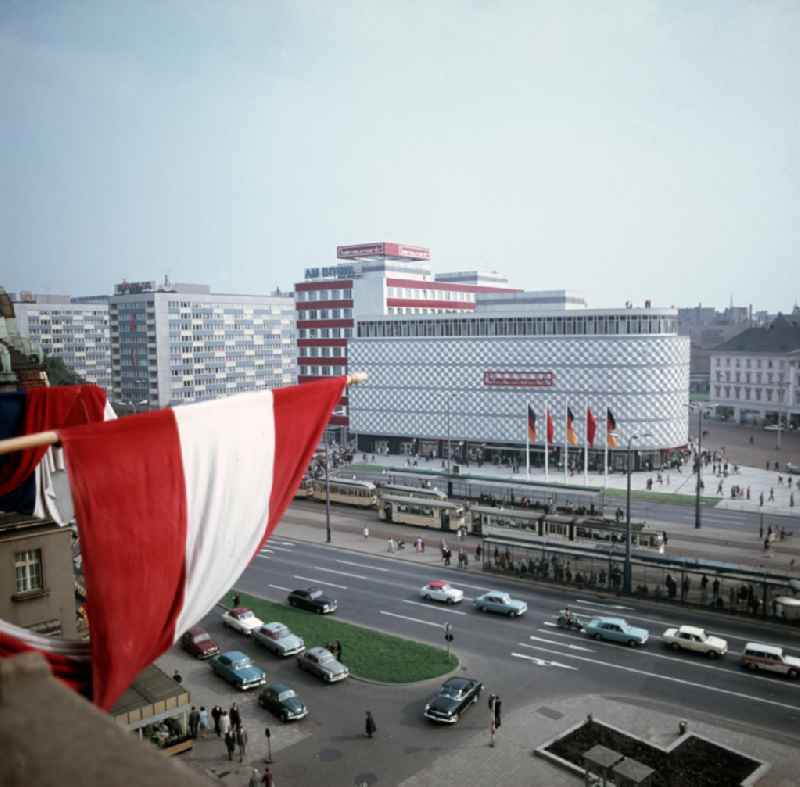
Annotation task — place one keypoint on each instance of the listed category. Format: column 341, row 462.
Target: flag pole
column 586, row 445
column 38, row 439
column 605, row 456
column 546, row 441
column 566, row 444
column 528, row 444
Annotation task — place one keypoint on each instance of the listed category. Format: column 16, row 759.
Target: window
column 29, row 570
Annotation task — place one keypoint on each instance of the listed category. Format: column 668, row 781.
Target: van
column 770, row 658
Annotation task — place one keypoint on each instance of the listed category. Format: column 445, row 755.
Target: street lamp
column 449, row 444
column 626, row 580
column 699, row 408
column 327, row 493
column 781, row 394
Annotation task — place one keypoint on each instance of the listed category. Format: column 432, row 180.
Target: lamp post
column 449, row 444
column 699, row 466
column 327, row 493
column 781, row 394
column 626, row 579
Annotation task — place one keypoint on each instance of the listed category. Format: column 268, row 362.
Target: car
column 242, row 620
column 792, row 469
column 277, row 638
column 283, row 701
column 616, row 630
column 770, row 658
column 452, row 699
column 501, row 603
column 314, row 600
column 198, row 643
column 322, row 663
column 441, row 590
column 237, row 668
column 696, row 640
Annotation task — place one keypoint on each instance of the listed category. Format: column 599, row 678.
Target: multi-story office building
column 178, row 343
column 757, row 373
column 374, row 279
column 465, row 381
column 75, row 330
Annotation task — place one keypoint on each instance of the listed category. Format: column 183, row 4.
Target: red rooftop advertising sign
column 383, row 250
column 495, row 379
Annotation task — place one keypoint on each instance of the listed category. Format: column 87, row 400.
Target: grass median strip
column 369, row 654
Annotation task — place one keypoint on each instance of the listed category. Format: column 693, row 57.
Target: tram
column 397, row 490
column 594, row 532
column 347, row 491
column 421, row 512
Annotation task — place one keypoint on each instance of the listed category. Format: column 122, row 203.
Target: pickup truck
column 696, row 640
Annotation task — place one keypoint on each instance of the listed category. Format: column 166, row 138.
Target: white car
column 696, row 640
column 242, row 620
column 439, row 590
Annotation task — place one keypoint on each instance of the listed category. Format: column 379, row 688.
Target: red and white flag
column 172, row 505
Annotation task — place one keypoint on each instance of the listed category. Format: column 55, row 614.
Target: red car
column 198, row 642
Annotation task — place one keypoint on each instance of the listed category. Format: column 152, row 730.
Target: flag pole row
column 38, row 439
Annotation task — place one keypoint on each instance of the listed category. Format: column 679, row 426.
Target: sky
column 626, row 150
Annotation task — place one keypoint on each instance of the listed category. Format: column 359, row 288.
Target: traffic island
column 369, row 654
column 689, row 760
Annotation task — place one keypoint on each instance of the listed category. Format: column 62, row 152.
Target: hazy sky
column 628, row 150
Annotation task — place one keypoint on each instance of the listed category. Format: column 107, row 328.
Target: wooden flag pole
column 51, row 438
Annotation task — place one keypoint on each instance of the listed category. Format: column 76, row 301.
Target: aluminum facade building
column 471, row 378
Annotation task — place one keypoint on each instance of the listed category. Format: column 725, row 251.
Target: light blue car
column 236, row 667
column 501, row 603
column 616, row 630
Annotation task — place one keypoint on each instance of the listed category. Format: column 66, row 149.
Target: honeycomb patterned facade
column 644, row 380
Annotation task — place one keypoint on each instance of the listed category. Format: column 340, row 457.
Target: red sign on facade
column 519, row 379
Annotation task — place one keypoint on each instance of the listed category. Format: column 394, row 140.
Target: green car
column 279, row 699
column 500, row 603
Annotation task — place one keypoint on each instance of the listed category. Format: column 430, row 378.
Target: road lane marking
column 266, row 551
column 286, row 543
column 263, row 557
column 361, row 565
column 342, row 573
column 556, row 642
column 413, row 620
column 695, row 662
column 606, row 606
column 473, row 587
column 280, row 549
column 428, row 606
column 280, row 587
column 543, row 662
column 320, row 582
column 670, row 678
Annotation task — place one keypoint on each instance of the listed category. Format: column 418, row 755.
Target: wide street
column 526, row 660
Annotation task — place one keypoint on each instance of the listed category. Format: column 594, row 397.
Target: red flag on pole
column 591, row 427
column 550, row 428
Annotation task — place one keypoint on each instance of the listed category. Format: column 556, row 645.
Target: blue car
column 616, row 630
column 236, row 667
column 501, row 603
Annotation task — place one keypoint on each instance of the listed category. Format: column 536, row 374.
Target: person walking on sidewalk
column 267, row 780
column 203, row 722
column 235, row 716
column 365, row 532
column 216, row 715
column 255, row 779
column 225, row 723
column 194, row 721
column 771, row 495
column 241, row 742
column 230, row 743
column 369, row 725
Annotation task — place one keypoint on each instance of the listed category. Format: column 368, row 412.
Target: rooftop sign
column 383, row 249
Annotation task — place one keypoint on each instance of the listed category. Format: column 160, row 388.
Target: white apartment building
column 178, row 343
column 757, row 373
column 75, row 330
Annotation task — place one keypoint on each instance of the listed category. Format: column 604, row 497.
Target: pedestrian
column 366, row 533
column 216, row 715
column 235, row 716
column 761, row 498
column 203, row 722
column 664, row 537
column 719, row 488
column 266, row 779
column 177, row 677
column 748, row 492
column 684, row 588
column 766, row 544
column 704, row 584
column 791, row 500
column 225, row 723
column 241, row 742
column 715, row 587
column 771, row 495
column 422, row 545
column 338, row 646
column 478, row 553
column 230, row 743
column 255, row 779
column 194, row 721
column 369, row 725
column 780, row 480
column 767, row 464
column 236, row 600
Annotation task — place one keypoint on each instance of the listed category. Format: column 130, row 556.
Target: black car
column 454, row 697
column 279, row 699
column 312, row 599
